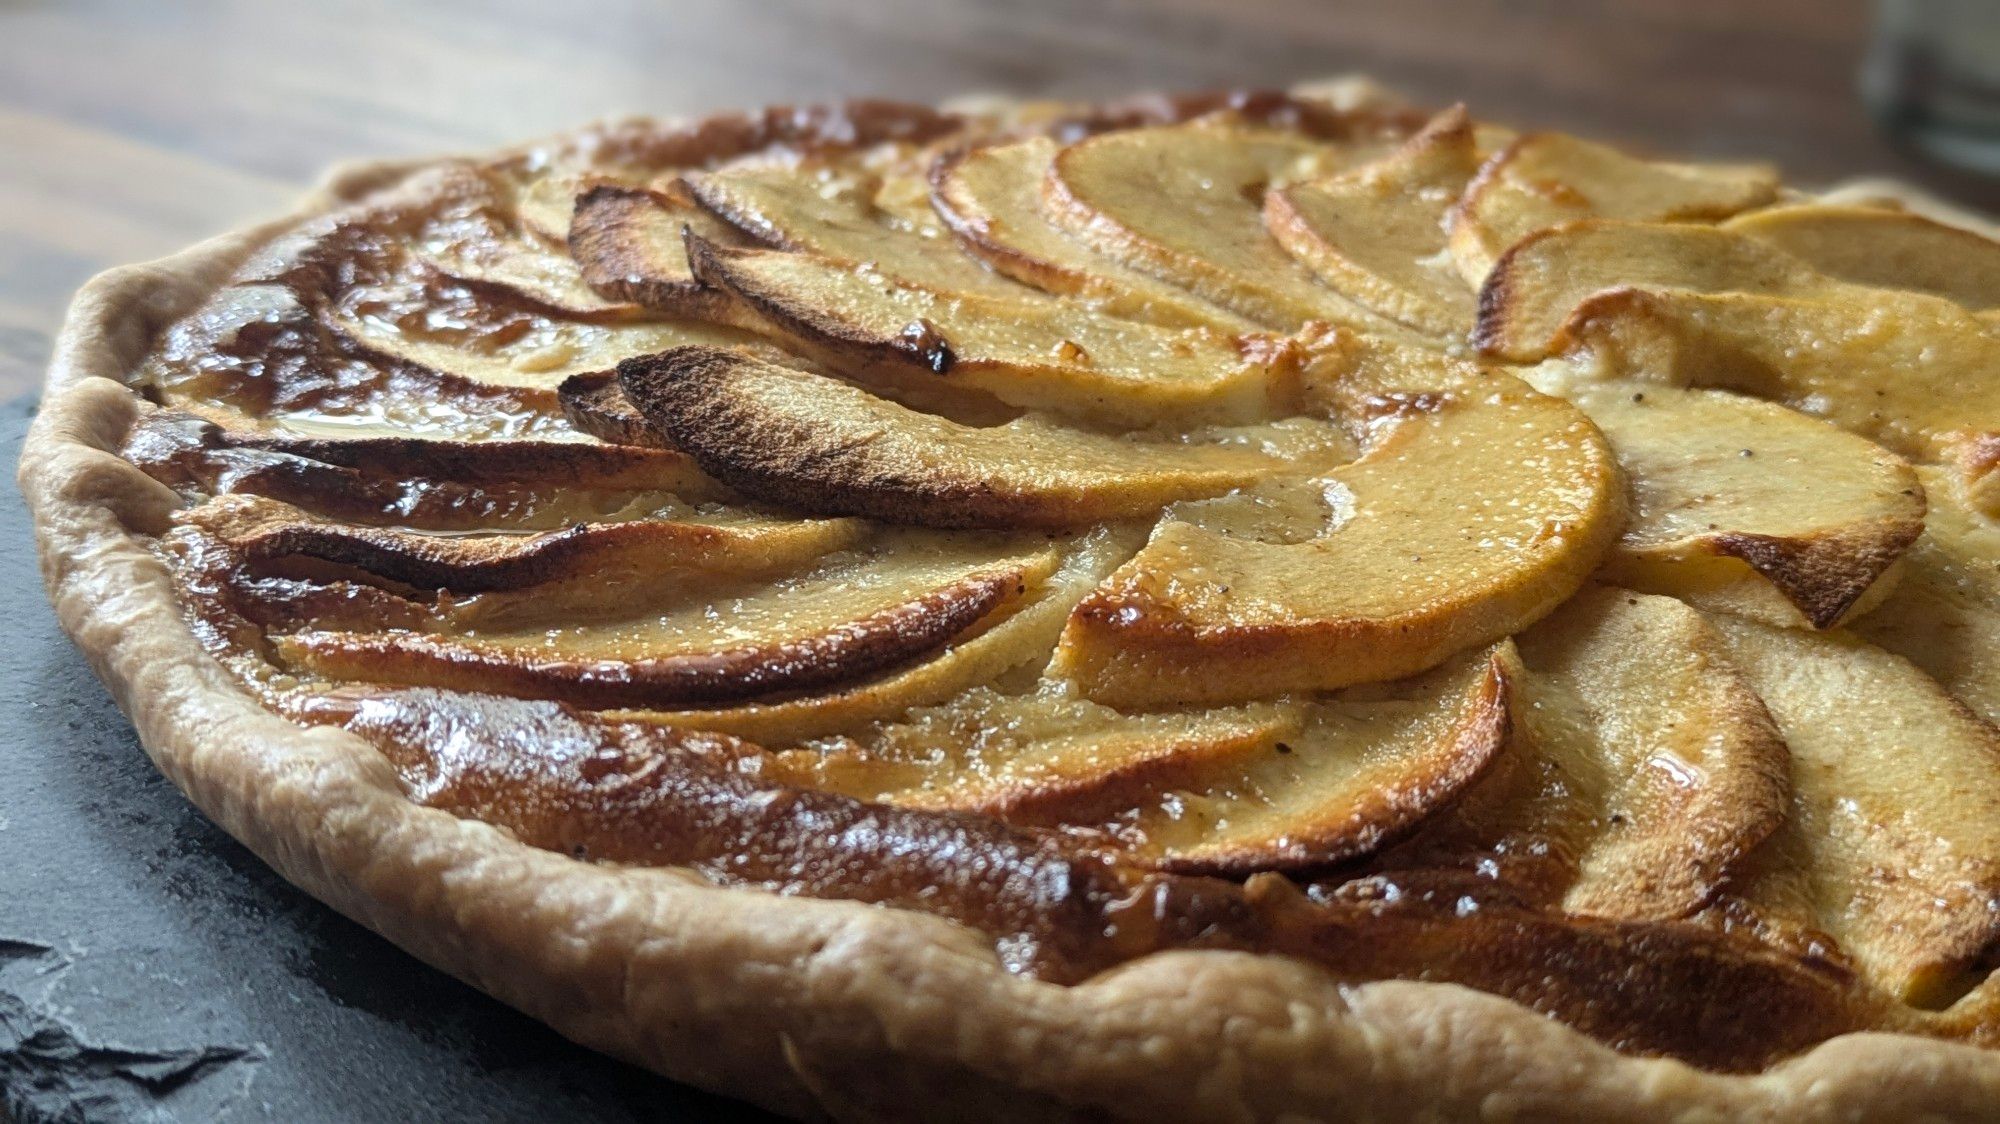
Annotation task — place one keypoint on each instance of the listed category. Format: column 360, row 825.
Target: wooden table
column 133, row 127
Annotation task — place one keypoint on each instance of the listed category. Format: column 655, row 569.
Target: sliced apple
column 1184, row 202
column 1234, row 790
column 628, row 244
column 472, row 232
column 1706, row 307
column 1890, row 847
column 1012, row 651
column 1362, row 772
column 1748, row 507
column 425, row 484
column 1038, row 353
column 834, row 212
column 1478, row 506
column 852, row 615
column 1376, row 232
column 1018, row 754
column 1533, row 292
column 1883, row 248
column 1944, row 616
column 616, row 558
column 991, row 198
column 545, row 201
column 1899, row 368
column 1545, row 179
column 438, row 329
column 1640, row 771
column 810, row 443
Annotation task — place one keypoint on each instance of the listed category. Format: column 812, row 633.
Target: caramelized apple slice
column 991, row 198
column 811, row 443
column 1898, row 368
column 1891, row 844
column 628, row 242
column 1544, row 179
column 261, row 354
column 1376, row 232
column 1751, row 508
column 852, row 615
column 834, row 212
column 1182, row 202
column 1037, row 353
column 1944, row 615
column 1883, row 248
column 1640, row 771
column 545, row 201
column 1478, row 506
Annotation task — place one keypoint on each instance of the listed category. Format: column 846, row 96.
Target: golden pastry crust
column 804, row 1006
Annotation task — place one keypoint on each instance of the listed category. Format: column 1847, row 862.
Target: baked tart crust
column 613, row 873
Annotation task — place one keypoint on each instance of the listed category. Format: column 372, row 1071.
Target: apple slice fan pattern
column 1253, row 523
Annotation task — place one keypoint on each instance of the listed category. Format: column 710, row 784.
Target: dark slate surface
column 151, row 969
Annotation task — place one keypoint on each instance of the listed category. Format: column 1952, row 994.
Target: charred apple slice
column 816, row 444
column 616, row 559
column 629, row 244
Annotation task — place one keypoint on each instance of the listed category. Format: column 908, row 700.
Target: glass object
column 1932, row 79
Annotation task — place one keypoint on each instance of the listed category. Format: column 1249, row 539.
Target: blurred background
column 133, row 127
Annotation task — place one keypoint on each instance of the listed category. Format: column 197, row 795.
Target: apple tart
column 1254, row 606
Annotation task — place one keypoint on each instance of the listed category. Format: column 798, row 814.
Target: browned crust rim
column 645, row 141
column 850, row 993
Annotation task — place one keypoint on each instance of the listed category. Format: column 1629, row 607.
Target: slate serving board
column 151, row 969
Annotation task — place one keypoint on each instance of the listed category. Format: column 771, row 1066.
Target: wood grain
column 133, row 127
